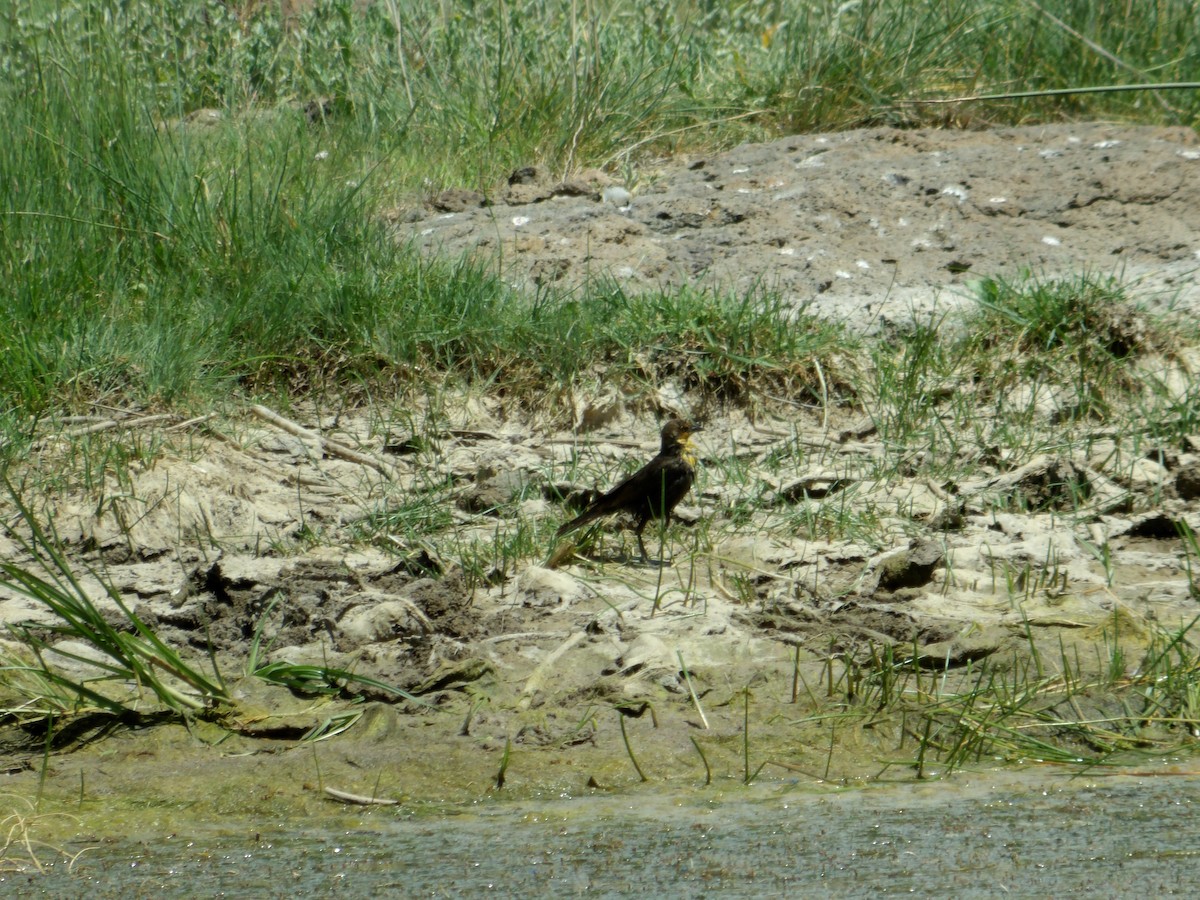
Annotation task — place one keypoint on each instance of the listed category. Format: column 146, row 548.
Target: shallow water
column 975, row 836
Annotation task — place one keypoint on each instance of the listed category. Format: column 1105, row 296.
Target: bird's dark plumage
column 653, row 490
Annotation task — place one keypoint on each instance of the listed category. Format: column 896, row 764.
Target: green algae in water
column 977, row 836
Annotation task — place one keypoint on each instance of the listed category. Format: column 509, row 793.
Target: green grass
column 1044, row 365
column 1035, row 706
column 129, row 659
column 159, row 264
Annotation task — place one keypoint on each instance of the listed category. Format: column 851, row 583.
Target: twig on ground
column 327, row 445
column 358, row 799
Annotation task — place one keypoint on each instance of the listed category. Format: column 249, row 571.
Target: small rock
column 458, row 200
column 456, row 675
column 648, row 656
column 961, row 650
column 910, row 568
column 522, row 194
column 1187, row 482
column 540, row 587
column 617, row 196
column 382, row 620
column 493, row 489
column 1146, row 475
column 526, row 175
column 575, row 187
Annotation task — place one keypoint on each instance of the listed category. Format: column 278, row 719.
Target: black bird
column 653, row 490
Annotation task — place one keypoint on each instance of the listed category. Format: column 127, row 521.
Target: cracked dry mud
column 241, row 522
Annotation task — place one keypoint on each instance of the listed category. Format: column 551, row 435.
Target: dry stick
column 824, row 395
column 198, row 420
column 109, row 424
column 358, row 799
column 1115, row 60
column 574, row 67
column 534, row 683
column 691, row 689
column 148, row 420
column 1060, row 92
column 397, row 23
column 326, row 444
column 94, row 428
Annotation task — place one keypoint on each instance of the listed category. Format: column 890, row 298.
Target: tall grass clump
column 1072, row 707
column 719, row 344
column 149, row 258
column 1044, row 369
column 859, row 63
column 911, row 383
column 128, row 661
column 143, row 263
column 1081, row 337
column 156, row 263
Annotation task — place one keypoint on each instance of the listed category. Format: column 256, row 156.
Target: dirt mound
column 866, row 225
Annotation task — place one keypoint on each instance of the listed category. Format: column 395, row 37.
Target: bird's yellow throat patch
column 689, row 452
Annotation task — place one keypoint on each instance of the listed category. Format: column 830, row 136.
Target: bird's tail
column 579, row 521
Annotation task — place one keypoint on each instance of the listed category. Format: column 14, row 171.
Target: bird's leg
column 641, row 544
column 662, row 537
column 662, row 540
